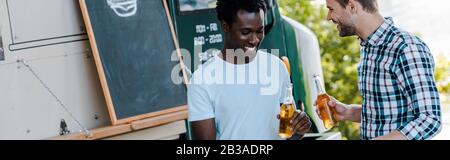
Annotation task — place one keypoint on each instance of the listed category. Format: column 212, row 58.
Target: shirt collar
column 377, row 37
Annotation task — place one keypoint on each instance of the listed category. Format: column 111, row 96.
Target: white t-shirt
column 243, row 99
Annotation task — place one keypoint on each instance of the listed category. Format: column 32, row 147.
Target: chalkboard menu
column 133, row 42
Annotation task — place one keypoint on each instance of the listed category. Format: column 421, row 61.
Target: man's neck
column 368, row 24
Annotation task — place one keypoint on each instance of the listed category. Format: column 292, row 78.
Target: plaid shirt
column 396, row 81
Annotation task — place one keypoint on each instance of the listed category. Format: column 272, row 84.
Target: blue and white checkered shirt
column 396, row 81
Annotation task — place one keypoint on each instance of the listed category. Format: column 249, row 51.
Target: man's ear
column 353, row 6
column 225, row 26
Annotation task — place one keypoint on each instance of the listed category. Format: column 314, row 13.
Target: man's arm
column 355, row 113
column 396, row 135
column 201, row 110
column 204, row 129
column 346, row 112
column 415, row 74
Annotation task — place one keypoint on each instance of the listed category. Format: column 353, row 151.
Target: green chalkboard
column 133, row 42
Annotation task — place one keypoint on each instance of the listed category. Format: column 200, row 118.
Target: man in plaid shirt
column 395, row 76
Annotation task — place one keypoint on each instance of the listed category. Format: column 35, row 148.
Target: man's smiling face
column 341, row 17
column 246, row 32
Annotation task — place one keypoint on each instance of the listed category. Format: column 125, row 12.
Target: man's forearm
column 396, row 135
column 355, row 113
column 204, row 129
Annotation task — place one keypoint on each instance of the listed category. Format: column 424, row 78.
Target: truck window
column 195, row 5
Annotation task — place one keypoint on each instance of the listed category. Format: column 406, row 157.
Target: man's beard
column 346, row 30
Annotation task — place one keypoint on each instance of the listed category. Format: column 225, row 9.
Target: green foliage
column 442, row 75
column 340, row 56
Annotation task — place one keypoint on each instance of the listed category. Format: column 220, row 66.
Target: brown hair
column 368, row 5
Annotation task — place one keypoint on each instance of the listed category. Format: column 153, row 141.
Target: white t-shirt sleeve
column 199, row 103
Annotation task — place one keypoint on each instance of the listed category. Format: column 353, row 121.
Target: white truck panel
column 60, row 55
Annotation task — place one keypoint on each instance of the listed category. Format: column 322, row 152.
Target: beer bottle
column 326, row 113
column 286, row 114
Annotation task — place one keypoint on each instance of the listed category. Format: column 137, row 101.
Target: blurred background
column 428, row 19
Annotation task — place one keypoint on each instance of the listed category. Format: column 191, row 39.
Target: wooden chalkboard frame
column 104, row 83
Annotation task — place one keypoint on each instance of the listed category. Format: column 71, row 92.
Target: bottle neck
column 289, row 99
column 319, row 87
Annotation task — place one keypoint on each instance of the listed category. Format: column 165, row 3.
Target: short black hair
column 227, row 9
